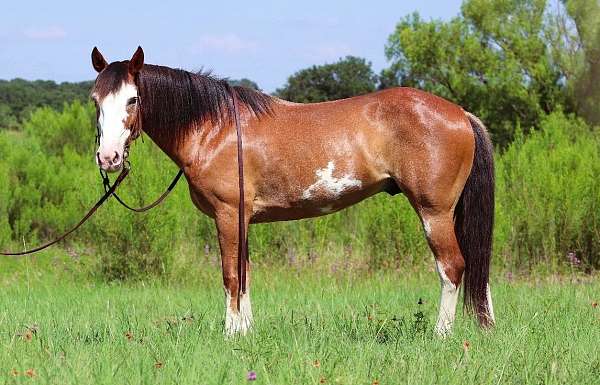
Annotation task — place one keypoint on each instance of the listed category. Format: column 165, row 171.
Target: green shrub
column 53, row 180
column 5, row 198
column 549, row 195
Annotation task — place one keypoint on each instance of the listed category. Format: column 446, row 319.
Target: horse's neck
column 169, row 147
column 184, row 152
column 198, row 142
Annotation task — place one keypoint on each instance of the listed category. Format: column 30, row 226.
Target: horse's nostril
column 117, row 158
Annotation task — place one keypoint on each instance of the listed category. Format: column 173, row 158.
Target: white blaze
column 331, row 185
column 113, row 113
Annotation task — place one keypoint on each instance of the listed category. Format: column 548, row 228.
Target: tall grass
column 310, row 329
column 547, row 191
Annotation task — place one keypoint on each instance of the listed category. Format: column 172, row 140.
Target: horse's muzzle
column 111, row 162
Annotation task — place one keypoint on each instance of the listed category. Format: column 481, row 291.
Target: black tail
column 474, row 222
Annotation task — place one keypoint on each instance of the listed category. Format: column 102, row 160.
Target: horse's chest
column 201, row 202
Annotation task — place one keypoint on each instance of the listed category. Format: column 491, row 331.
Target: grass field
column 354, row 328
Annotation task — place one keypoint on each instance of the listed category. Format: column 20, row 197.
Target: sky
column 265, row 41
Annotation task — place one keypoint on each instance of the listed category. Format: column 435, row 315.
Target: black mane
column 174, row 102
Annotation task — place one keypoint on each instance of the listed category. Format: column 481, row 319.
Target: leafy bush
column 549, row 195
column 53, row 181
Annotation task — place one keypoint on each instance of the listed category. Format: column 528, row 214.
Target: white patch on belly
column 329, row 184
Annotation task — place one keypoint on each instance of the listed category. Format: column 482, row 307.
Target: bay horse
column 308, row 160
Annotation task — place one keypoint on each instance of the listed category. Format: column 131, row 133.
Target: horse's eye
column 132, row 101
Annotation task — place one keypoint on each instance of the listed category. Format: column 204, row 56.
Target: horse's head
column 117, row 106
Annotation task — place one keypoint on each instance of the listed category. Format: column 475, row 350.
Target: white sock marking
column 448, row 300
column 238, row 322
column 489, row 301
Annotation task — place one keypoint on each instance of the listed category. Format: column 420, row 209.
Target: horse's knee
column 230, row 280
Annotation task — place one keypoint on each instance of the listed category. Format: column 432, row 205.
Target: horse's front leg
column 238, row 319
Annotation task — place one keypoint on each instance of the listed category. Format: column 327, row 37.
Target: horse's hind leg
column 439, row 229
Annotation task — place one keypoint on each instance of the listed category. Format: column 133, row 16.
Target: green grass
column 360, row 327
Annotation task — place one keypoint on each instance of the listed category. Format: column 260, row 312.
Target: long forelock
column 111, row 79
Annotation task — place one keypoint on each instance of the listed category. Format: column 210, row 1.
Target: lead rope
column 242, row 240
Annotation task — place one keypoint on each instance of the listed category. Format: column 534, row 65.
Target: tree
column 499, row 59
column 576, row 39
column 348, row 77
column 19, row 97
column 243, row 83
column 7, row 119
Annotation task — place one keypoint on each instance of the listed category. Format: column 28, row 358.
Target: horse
column 308, row 160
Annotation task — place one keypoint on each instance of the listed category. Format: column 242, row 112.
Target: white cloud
column 53, row 32
column 229, row 43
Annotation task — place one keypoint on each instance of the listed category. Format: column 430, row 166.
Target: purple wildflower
column 509, row 276
column 572, row 257
column 252, row 375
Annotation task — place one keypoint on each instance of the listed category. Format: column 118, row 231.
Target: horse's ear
column 98, row 60
column 137, row 61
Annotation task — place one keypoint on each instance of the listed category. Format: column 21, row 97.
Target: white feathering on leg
column 238, row 322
